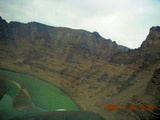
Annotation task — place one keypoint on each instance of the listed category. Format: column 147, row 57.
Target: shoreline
column 35, row 76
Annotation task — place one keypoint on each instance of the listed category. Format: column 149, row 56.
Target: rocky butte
column 94, row 71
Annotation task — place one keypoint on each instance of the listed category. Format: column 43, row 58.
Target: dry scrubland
column 92, row 70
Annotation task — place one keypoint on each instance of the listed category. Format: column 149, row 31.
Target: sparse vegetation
column 92, row 70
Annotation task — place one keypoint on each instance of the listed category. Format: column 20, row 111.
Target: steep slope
column 70, row 45
column 94, row 71
column 152, row 42
column 142, row 98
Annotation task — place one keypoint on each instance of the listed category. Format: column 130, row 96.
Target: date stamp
column 129, row 107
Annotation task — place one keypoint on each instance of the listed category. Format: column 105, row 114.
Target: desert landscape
column 45, row 68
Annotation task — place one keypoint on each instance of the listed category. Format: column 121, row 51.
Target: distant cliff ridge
column 67, row 42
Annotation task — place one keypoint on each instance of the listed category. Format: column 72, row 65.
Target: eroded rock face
column 150, row 99
column 3, row 29
column 70, row 44
column 152, row 94
column 150, row 48
column 152, row 42
column 153, row 88
column 149, row 51
column 94, row 71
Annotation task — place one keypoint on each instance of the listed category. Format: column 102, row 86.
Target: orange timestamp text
column 129, row 107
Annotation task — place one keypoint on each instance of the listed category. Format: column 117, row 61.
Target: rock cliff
column 83, row 63
column 69, row 44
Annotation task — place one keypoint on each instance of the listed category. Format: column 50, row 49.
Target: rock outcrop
column 153, row 88
column 152, row 42
column 69, row 44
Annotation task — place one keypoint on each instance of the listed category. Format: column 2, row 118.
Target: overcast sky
column 125, row 21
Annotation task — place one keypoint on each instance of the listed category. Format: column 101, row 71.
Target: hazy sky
column 125, row 21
